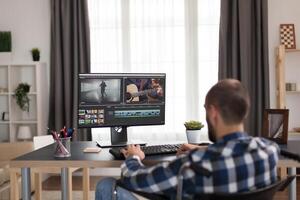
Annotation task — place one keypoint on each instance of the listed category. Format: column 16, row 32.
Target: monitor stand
column 118, row 136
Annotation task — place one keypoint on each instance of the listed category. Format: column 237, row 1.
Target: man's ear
column 213, row 111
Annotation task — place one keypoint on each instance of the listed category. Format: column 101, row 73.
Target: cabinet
column 287, row 71
column 11, row 74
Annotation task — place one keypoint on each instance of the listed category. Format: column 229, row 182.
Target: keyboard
column 148, row 150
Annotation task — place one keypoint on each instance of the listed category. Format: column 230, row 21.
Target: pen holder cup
column 62, row 147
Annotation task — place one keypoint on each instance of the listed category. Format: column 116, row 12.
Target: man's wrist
column 134, row 157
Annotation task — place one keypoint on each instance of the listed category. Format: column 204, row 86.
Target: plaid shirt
column 235, row 163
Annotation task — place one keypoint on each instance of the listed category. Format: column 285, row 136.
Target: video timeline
column 136, row 113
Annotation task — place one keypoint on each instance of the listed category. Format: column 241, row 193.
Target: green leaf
column 21, row 95
column 193, row 125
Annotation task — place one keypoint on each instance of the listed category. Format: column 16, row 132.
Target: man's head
column 227, row 104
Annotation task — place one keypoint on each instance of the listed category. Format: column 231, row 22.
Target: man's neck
column 225, row 130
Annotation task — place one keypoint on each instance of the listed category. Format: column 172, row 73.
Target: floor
column 284, row 195
column 53, row 184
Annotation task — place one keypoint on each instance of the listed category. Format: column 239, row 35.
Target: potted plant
column 193, row 128
column 5, row 46
column 35, row 52
column 21, row 95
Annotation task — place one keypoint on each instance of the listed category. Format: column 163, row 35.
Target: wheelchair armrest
column 286, row 182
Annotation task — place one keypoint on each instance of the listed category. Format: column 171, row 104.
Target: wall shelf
column 24, row 122
column 30, row 93
column 287, row 72
column 35, row 74
column 292, row 50
column 292, row 92
column 280, row 76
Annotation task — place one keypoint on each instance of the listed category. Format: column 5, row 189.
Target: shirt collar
column 232, row 136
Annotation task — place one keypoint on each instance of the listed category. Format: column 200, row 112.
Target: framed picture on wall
column 287, row 36
column 275, row 125
column 5, row 116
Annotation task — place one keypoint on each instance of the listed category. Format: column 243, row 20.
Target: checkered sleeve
column 161, row 178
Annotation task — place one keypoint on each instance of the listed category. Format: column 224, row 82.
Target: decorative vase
column 193, row 136
column 24, row 132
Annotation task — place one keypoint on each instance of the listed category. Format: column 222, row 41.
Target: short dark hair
column 231, row 98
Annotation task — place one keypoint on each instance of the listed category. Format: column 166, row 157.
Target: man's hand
column 159, row 91
column 155, row 84
column 132, row 150
column 185, row 148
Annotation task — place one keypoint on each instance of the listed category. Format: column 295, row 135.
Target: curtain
column 70, row 55
column 176, row 37
column 243, row 53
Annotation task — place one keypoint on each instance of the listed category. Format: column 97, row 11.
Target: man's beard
column 211, row 131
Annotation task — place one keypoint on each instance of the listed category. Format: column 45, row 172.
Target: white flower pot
column 193, row 136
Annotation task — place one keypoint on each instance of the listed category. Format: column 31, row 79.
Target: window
column 208, row 48
column 159, row 36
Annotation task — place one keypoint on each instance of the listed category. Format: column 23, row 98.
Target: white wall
column 29, row 22
column 283, row 12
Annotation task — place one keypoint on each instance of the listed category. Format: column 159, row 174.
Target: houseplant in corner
column 22, row 99
column 193, row 128
column 35, row 52
column 21, row 95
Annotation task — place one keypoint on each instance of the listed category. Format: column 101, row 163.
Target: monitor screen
column 109, row 100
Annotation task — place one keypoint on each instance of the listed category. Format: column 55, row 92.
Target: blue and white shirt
column 235, row 163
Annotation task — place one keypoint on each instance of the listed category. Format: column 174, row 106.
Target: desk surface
column 294, row 147
column 44, row 157
column 9, row 151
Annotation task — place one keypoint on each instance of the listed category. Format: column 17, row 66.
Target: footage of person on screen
column 100, row 91
column 144, row 90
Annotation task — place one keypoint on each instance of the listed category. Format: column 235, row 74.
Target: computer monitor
column 119, row 100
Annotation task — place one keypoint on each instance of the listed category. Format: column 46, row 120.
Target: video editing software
column 121, row 100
